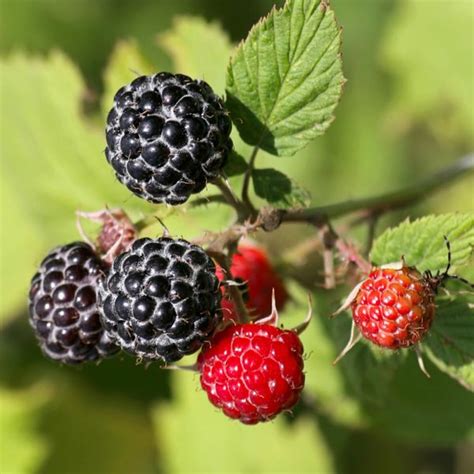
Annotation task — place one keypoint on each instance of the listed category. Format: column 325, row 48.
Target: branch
column 384, row 202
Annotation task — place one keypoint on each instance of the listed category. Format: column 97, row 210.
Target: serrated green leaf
column 230, row 446
column 279, row 190
column 125, row 64
column 23, row 449
column 236, row 165
column 422, row 244
column 285, row 79
column 198, row 48
column 450, row 342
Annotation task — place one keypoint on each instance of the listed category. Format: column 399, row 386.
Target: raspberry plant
column 283, row 85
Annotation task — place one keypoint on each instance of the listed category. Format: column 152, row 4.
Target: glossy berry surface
column 394, row 308
column 252, row 268
column 167, row 136
column 63, row 305
column 161, row 299
column 252, row 372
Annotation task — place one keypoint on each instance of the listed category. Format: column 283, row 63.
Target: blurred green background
column 406, row 112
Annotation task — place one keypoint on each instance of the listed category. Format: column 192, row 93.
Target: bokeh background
column 406, row 112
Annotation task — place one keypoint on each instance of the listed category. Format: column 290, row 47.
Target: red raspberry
column 394, row 308
column 251, row 266
column 253, row 371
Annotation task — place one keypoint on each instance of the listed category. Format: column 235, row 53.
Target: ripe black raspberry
column 63, row 305
column 167, row 135
column 161, row 299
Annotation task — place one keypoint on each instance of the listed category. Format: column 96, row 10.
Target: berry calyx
column 161, row 299
column 116, row 235
column 252, row 270
column 167, row 136
column 252, row 371
column 394, row 308
column 63, row 305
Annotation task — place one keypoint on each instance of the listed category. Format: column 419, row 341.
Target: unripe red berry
column 252, row 268
column 394, row 308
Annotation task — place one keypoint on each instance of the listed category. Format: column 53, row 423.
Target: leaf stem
column 247, row 177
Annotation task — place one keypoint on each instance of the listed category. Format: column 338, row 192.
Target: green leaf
column 199, row 49
column 236, row 165
column 422, row 244
column 285, row 79
column 125, row 64
column 214, row 443
column 450, row 342
column 15, row 235
column 23, row 448
column 414, row 54
column 279, row 190
column 52, row 164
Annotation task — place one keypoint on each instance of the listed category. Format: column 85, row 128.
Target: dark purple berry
column 157, row 121
column 156, row 311
column 63, row 302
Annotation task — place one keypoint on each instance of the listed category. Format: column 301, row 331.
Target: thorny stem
column 270, row 219
column 247, row 177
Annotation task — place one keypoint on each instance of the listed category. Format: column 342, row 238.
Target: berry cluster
column 161, row 299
